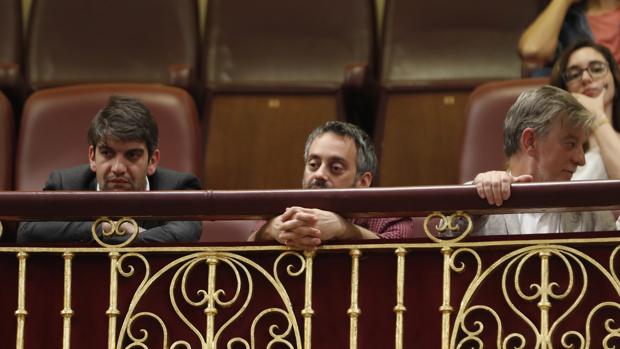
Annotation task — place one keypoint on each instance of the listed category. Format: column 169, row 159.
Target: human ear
column 528, row 141
column 91, row 158
column 153, row 162
column 364, row 180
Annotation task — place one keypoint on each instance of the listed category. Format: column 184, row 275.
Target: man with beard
column 123, row 156
column 337, row 155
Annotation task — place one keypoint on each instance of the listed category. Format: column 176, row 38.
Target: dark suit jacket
column 82, row 178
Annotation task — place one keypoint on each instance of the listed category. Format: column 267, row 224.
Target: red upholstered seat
column 94, row 41
column 486, row 110
column 55, row 122
column 11, row 77
column 275, row 70
column 7, row 139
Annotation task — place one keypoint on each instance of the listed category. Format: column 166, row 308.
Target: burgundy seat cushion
column 93, row 41
column 484, row 131
column 7, row 137
column 55, row 123
column 10, row 47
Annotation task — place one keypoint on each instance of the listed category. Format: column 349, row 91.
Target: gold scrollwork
column 542, row 294
column 451, row 223
column 111, row 228
column 585, row 341
column 141, row 341
column 612, row 264
column 212, row 296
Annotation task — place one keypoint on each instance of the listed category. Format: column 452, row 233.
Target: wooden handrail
column 216, row 204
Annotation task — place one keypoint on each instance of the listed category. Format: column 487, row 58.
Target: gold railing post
column 354, row 311
column 307, row 312
column 211, row 310
column 400, row 308
column 21, row 312
column 446, row 308
column 67, row 312
column 544, row 305
column 112, row 311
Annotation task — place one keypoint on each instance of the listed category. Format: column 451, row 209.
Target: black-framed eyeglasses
column 596, row 69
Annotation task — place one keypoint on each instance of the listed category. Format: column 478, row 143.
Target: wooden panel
column 256, row 142
column 422, row 138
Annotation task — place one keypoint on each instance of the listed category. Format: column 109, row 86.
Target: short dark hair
column 124, row 119
column 366, row 156
column 557, row 74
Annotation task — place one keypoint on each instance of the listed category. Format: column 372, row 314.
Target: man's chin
column 564, row 176
column 119, row 187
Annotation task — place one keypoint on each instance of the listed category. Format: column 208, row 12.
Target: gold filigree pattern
column 543, row 294
column 458, row 223
column 544, row 287
column 210, row 299
column 585, row 341
column 111, row 228
column 612, row 264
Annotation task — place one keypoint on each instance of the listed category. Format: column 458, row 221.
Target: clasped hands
column 307, row 228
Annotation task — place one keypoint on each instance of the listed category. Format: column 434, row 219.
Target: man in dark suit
column 123, row 156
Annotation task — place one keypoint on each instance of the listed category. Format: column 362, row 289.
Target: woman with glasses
column 589, row 71
column 563, row 22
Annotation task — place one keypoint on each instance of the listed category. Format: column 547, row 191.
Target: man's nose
column 119, row 166
column 579, row 157
column 321, row 172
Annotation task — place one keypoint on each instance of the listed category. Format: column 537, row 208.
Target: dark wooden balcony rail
column 529, row 291
column 386, row 202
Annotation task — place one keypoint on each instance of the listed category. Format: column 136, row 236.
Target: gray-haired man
column 544, row 136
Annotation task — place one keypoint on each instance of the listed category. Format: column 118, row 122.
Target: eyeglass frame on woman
column 591, row 66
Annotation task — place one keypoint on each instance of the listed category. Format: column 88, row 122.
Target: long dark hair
column 559, row 67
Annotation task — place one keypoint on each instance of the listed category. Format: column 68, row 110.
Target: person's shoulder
column 167, row 179
column 73, row 178
column 163, row 173
column 592, row 220
column 495, row 224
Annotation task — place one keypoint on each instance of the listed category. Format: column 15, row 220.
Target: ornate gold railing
column 443, row 290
